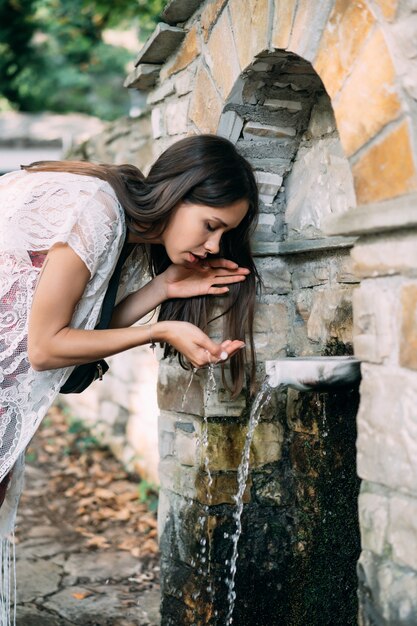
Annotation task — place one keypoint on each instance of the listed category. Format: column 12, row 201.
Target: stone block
column 386, row 169
column 184, row 82
column 161, row 44
column 172, row 385
column 372, row 80
column 195, row 484
column 271, row 330
column 306, row 274
column 388, row 593
column 267, row 444
column 343, row 270
column 217, row 402
column 165, row 90
column 387, row 428
column 271, row 345
column 385, row 254
column 268, row 186
column 275, row 275
column 402, row 530
column 158, row 122
column 188, row 51
column 275, row 104
column 322, row 120
column 209, row 16
column 176, row 116
column 271, row 318
column 250, row 27
column 206, row 105
column 324, row 171
column 388, row 8
column 221, row 46
column 225, row 445
column 408, row 338
column 284, row 13
column 143, row 77
column 373, row 519
column 186, row 446
column 304, row 303
column 230, row 126
column 307, row 28
column 179, row 10
column 256, row 130
column 226, row 442
column 331, row 315
column 265, row 228
column 347, row 29
column 374, row 322
column 222, row 490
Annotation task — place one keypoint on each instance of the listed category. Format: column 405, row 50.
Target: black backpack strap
column 110, row 296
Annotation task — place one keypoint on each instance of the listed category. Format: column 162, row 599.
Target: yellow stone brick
column 368, row 100
column 348, row 26
column 221, row 47
column 388, row 8
column 387, row 169
column 206, row 105
column 209, row 16
column 188, row 51
column 408, row 344
column 250, row 26
column 284, row 12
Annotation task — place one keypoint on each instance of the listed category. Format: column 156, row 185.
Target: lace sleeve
column 78, row 210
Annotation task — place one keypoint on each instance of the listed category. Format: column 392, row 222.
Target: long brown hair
column 202, row 169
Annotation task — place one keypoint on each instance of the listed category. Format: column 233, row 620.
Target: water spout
column 317, row 373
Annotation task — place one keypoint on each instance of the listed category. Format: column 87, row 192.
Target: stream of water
column 262, row 398
column 204, row 557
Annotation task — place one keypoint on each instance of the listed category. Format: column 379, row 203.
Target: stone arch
column 342, row 41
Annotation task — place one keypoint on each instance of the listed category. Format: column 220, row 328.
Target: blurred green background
column 71, row 55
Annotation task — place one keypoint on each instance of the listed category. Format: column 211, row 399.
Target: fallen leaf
column 80, row 595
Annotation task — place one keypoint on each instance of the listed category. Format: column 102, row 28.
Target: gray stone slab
column 102, row 566
column 161, row 44
column 280, row 248
column 179, row 10
column 111, row 606
column 143, row 77
column 230, row 126
column 375, row 217
column 31, row 615
column 36, row 579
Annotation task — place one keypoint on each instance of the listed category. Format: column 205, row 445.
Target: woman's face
column 194, row 230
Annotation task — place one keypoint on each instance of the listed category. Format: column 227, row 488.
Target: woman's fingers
column 225, row 264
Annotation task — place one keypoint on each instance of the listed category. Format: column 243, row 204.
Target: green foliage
column 148, row 494
column 53, row 57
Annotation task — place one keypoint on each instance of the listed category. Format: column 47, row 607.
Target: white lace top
column 38, row 210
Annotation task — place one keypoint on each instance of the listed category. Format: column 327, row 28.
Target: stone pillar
column 386, row 340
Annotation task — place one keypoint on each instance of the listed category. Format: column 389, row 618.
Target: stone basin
column 316, row 373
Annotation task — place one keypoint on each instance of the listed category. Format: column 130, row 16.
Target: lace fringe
column 8, row 581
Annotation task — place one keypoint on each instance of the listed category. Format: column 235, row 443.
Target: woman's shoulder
column 22, row 182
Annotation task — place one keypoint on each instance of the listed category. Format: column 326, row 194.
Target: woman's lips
column 193, row 258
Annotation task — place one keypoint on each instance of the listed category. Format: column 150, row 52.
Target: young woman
column 62, row 227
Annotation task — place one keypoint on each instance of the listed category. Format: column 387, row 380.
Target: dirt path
column 86, row 544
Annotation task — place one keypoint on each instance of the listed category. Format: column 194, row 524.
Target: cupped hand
column 194, row 344
column 207, row 277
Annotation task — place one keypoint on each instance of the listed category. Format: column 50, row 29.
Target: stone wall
column 321, row 98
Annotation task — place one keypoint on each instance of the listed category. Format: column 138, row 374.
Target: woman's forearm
column 139, row 304
column 71, row 346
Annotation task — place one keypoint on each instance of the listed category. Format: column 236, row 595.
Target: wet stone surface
column 70, row 566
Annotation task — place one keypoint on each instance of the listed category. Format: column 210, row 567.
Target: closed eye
column 210, row 228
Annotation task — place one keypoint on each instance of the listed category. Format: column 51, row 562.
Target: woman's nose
column 212, row 245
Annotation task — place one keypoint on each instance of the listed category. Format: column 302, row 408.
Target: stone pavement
column 61, row 579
